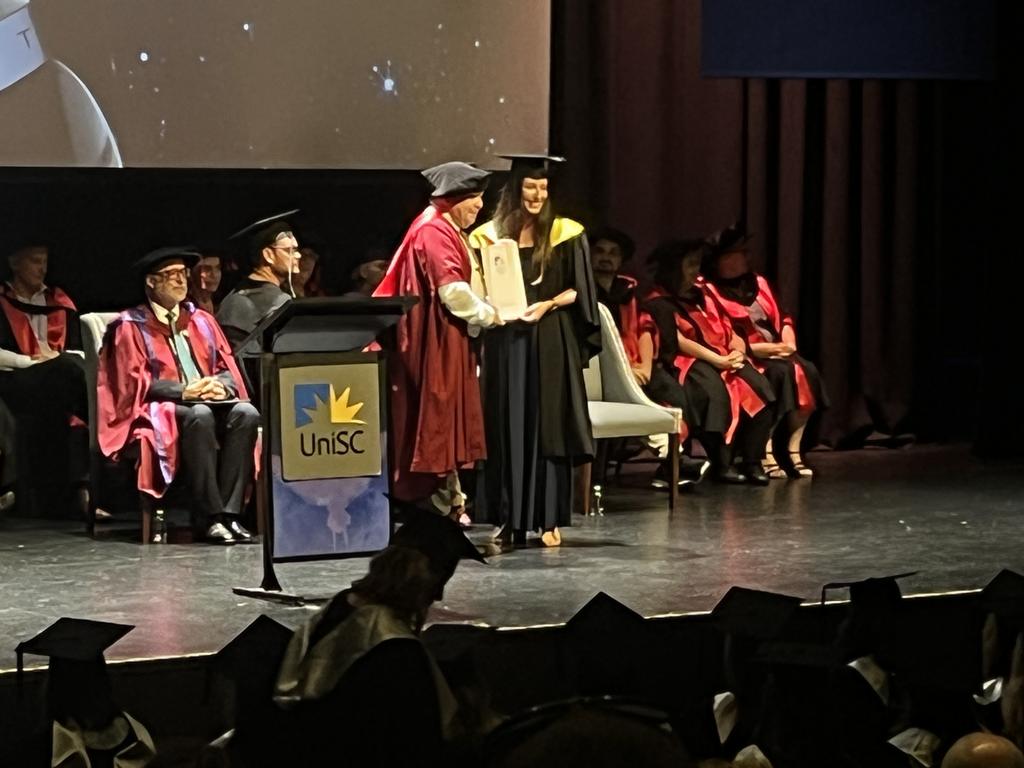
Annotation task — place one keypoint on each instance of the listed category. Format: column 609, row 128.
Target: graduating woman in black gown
column 535, row 402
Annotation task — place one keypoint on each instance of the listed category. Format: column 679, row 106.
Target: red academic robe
column 744, row 324
column 437, row 421
column 136, row 351
column 21, row 327
column 711, row 327
column 633, row 321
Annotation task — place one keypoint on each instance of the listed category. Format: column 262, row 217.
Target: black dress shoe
column 239, row 531
column 755, row 473
column 218, row 533
column 730, row 476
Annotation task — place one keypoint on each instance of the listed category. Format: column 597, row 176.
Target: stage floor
column 872, row 512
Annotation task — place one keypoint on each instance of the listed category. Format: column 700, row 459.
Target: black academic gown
column 49, row 402
column 244, row 308
column 239, row 314
column 358, row 688
column 535, row 401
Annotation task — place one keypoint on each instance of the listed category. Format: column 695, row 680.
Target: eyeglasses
column 172, row 274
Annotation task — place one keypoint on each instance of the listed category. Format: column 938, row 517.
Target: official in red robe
column 168, row 383
column 436, row 418
column 42, row 381
column 704, row 369
column 750, row 303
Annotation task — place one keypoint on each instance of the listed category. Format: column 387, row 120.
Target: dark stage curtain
column 864, row 195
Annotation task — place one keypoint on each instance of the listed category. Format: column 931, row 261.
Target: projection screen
column 272, row 83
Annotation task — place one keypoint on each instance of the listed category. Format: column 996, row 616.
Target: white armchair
column 619, row 408
column 94, row 326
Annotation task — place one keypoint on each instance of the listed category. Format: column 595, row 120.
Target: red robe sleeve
column 441, row 255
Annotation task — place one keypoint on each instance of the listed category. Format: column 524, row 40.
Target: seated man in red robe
column 42, row 382
column 167, row 381
column 436, row 416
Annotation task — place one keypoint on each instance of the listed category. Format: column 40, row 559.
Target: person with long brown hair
column 535, row 402
column 703, row 366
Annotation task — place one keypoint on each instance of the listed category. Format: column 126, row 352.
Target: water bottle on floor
column 159, row 527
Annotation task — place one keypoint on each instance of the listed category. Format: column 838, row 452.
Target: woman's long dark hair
column 668, row 261
column 509, row 218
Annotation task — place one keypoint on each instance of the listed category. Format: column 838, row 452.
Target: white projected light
column 356, row 84
column 47, row 114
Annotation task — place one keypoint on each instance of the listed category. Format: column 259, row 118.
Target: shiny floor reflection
column 934, row 510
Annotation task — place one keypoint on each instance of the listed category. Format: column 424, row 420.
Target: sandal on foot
column 801, row 469
column 773, row 470
column 552, row 538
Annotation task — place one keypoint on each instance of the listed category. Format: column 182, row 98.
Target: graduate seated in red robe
column 704, row 368
column 42, row 382
column 770, row 333
column 168, row 383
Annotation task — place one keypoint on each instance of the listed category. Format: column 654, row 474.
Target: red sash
column 710, row 327
column 17, row 316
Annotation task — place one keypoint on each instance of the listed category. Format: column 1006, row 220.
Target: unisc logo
column 319, row 408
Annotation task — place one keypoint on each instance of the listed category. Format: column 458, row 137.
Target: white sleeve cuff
column 466, row 305
column 9, row 359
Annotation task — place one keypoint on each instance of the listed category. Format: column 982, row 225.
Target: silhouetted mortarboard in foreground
column 1004, row 596
column 436, row 536
column 528, row 164
column 155, row 259
column 258, row 647
column 754, row 613
column 73, row 640
column 871, row 592
column 456, row 178
column 78, row 683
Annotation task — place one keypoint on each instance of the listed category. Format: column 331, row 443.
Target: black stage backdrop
column 883, row 209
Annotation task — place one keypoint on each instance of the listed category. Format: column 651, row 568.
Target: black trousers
column 51, row 455
column 707, row 410
column 216, row 444
column 7, row 466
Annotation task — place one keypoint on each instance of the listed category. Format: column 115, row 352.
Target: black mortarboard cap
column 73, row 640
column 625, row 242
column 261, row 234
column 872, row 592
column 754, row 613
column 731, row 238
column 525, row 163
column 1004, row 596
column 602, row 613
column 256, row 649
column 435, row 535
column 152, row 261
column 456, row 178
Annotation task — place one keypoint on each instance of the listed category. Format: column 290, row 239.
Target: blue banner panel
column 328, row 456
column 910, row 39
